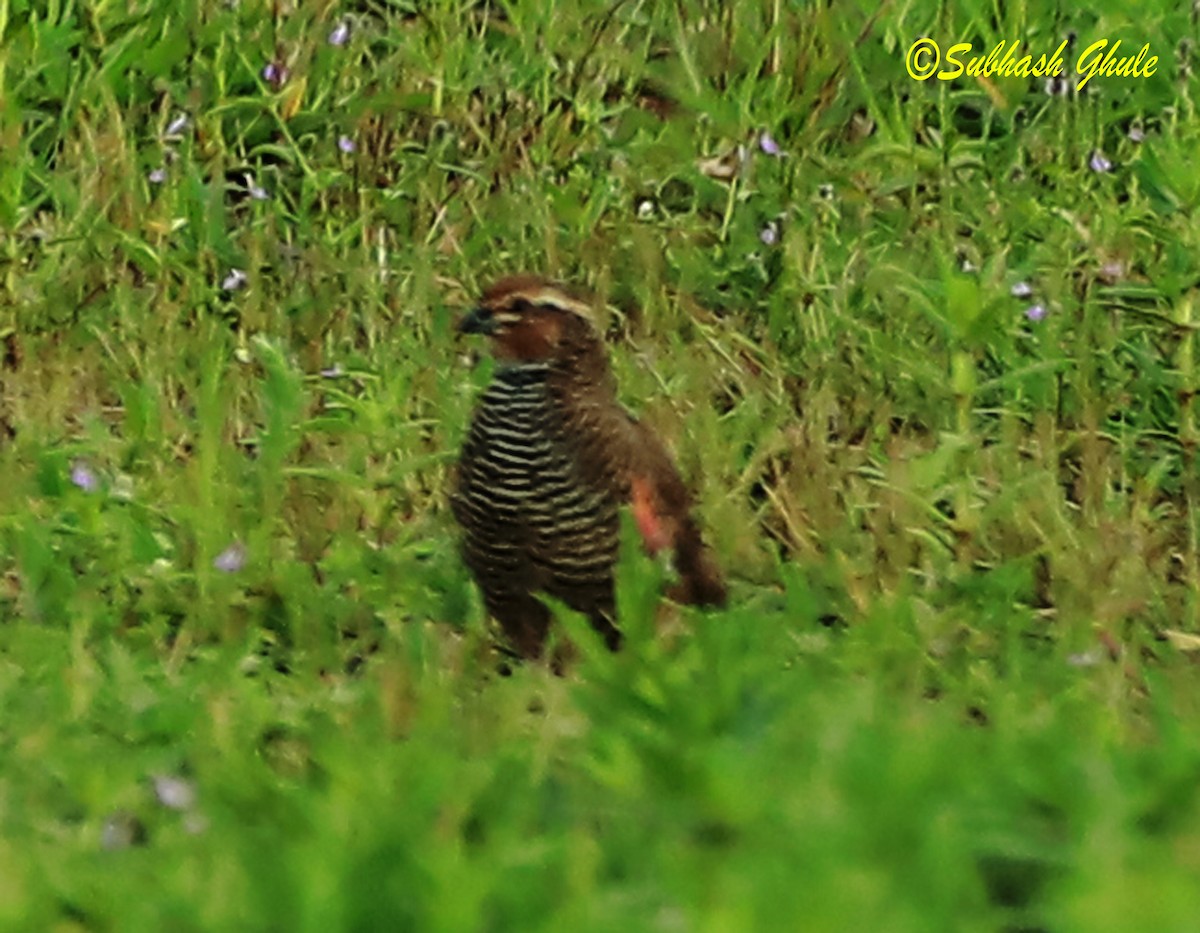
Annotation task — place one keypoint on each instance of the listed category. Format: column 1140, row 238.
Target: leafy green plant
column 924, row 350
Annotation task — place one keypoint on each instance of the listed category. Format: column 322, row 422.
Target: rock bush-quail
column 549, row 458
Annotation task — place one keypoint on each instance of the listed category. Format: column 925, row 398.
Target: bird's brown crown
column 529, row 318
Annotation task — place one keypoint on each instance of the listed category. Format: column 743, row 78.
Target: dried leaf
column 293, row 98
column 1183, row 641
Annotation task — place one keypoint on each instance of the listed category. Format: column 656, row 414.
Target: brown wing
column 701, row 580
column 624, row 453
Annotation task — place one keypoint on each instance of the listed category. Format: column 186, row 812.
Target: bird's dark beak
column 478, row 321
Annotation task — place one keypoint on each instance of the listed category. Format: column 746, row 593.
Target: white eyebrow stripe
column 552, row 296
column 555, row 299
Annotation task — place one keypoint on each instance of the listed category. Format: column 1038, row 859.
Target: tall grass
column 928, row 361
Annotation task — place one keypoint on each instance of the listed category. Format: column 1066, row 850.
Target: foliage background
column 930, row 366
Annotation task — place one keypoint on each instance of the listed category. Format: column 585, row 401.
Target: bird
column 550, row 459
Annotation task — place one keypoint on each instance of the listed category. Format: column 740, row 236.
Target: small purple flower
column 346, row 144
column 770, row 233
column 235, row 280
column 177, row 126
column 767, row 144
column 275, row 74
column 1021, row 290
column 333, row 372
column 1136, row 134
column 174, row 793
column 157, row 176
column 83, row 477
column 256, row 191
column 1035, row 312
column 1098, row 162
column 1112, row 272
column 340, row 35
column 232, row 559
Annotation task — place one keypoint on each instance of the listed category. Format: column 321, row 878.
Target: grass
column 954, row 685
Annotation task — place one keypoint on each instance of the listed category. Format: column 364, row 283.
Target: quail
column 549, row 459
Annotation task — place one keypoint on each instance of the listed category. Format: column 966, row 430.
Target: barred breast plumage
column 549, row 458
column 531, row 522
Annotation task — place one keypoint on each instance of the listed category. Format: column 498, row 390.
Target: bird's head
column 530, row 319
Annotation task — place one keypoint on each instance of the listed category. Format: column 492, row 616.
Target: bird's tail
column 700, row 579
